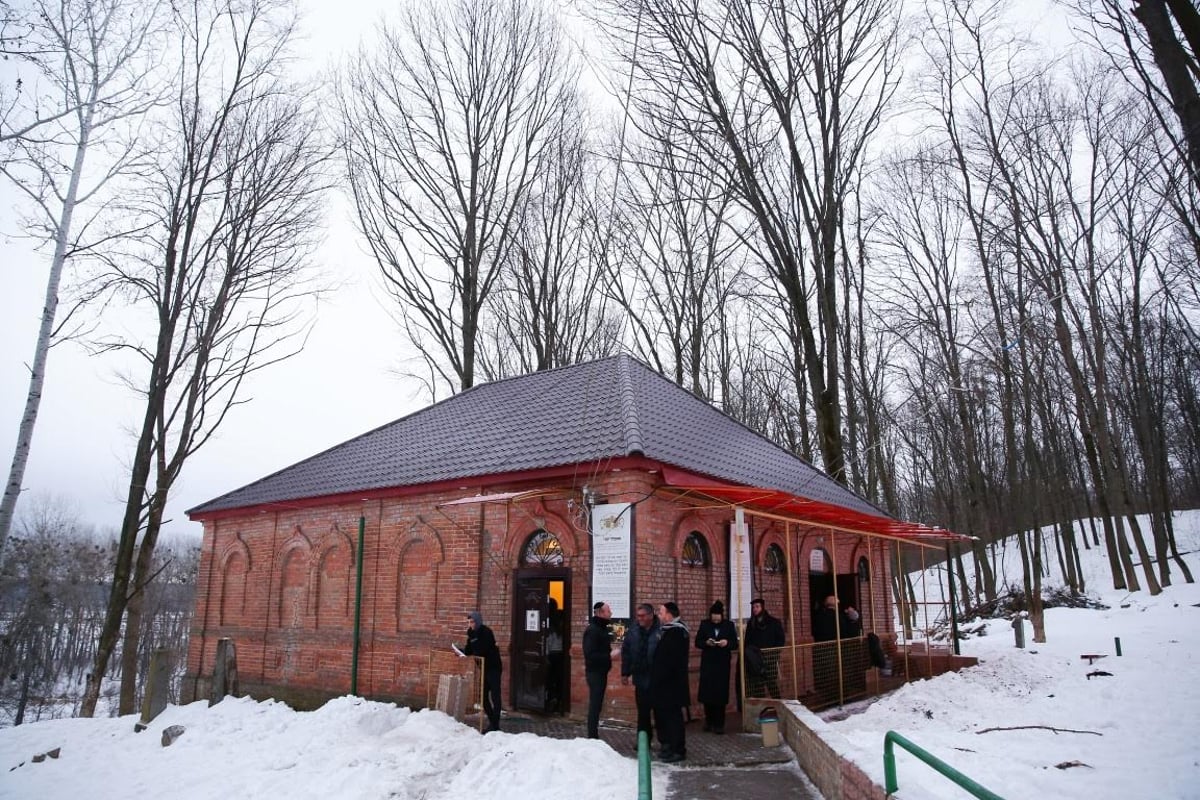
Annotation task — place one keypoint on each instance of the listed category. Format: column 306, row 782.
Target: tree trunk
column 1172, row 62
column 41, row 351
column 118, row 596
column 142, row 575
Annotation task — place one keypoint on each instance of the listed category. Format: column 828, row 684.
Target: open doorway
column 541, row 633
column 822, row 582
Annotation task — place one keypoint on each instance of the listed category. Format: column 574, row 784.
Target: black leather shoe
column 671, row 758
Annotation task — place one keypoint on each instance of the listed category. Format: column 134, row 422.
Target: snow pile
column 347, row 748
column 1044, row 722
column 1040, row 722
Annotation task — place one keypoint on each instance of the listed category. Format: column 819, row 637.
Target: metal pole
column 739, row 531
column 791, row 607
column 645, row 785
column 953, row 608
column 837, row 617
column 925, row 614
column 362, row 526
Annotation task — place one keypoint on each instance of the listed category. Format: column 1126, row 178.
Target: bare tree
column 781, row 100
column 1177, row 63
column 446, row 125
column 220, row 270
column 549, row 308
column 677, row 268
column 85, row 80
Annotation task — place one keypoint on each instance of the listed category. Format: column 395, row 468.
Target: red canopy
column 774, row 502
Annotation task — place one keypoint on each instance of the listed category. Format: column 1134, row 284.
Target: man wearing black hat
column 763, row 632
column 597, row 661
column 669, row 683
column 717, row 641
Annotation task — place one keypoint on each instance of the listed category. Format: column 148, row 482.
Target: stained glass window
column 773, row 560
column 695, row 551
column 542, row 550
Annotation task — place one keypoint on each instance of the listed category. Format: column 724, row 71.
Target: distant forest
column 54, row 586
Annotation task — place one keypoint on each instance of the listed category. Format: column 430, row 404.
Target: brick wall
column 281, row 583
column 821, row 754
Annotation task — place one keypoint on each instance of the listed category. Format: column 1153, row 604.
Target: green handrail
column 358, row 570
column 889, row 767
column 644, row 790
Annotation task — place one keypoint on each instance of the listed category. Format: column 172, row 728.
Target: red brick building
column 489, row 501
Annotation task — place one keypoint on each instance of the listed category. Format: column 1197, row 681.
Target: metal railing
column 891, row 738
column 645, row 792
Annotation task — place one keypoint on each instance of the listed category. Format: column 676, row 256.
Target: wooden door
column 534, row 687
column 530, row 630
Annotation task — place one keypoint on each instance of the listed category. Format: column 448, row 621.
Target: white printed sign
column 533, row 622
column 612, row 553
column 741, row 580
column 816, row 560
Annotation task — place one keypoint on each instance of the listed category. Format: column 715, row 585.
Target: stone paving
column 725, row 766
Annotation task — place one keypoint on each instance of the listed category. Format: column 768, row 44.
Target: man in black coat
column 482, row 642
column 669, row 682
column 597, row 661
column 764, row 631
column 637, row 655
column 717, row 640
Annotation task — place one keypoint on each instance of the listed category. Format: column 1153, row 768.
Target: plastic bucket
column 768, row 722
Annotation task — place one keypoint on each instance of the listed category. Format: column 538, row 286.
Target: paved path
column 717, row 767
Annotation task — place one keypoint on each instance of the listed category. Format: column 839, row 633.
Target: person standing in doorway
column 826, row 621
column 555, row 680
column 481, row 642
column 669, row 683
column 717, row 640
column 637, row 654
column 597, row 661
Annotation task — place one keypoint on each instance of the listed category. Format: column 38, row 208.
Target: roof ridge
column 631, row 427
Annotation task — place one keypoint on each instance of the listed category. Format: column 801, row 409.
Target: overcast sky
column 344, row 383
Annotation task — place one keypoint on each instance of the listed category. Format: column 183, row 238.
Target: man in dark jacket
column 763, row 632
column 669, row 682
column 597, row 661
column 637, row 654
column 482, row 642
column 717, row 640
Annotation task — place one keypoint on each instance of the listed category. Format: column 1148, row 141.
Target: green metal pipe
column 891, row 785
column 645, row 792
column 362, row 526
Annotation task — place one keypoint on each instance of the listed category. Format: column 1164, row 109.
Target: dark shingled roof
column 611, row 408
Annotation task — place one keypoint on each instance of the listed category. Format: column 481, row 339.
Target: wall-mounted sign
column 816, row 560
column 612, row 554
column 741, row 567
column 533, row 622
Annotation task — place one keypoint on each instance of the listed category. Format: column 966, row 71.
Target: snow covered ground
column 1133, row 733
column 349, row 748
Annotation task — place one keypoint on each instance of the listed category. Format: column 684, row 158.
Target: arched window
column 695, row 551
column 542, row 549
column 864, row 570
column 773, row 560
